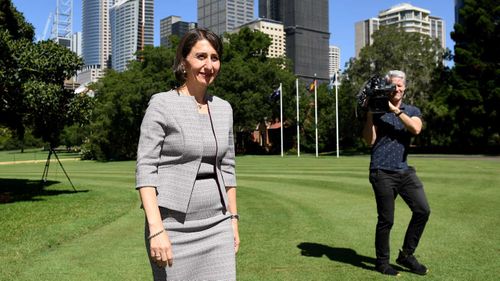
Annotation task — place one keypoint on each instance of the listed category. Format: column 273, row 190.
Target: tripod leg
column 55, row 154
column 46, row 169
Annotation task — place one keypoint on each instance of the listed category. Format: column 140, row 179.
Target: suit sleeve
column 228, row 161
column 151, row 139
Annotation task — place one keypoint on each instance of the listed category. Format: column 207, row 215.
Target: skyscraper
column 131, row 29
column 173, row 25
column 275, row 31
column 405, row 16
column 307, row 36
column 364, row 30
column 458, row 5
column 334, row 60
column 96, row 39
column 224, row 15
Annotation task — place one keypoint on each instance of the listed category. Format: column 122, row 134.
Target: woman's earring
column 183, row 69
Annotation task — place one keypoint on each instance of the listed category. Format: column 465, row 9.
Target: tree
column 475, row 99
column 13, row 27
column 32, row 88
column 418, row 55
column 247, row 80
column 121, row 100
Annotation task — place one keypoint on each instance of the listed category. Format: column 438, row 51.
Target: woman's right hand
column 161, row 250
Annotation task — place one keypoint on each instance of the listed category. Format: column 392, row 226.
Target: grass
column 302, row 219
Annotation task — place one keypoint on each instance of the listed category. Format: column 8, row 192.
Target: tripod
column 46, row 169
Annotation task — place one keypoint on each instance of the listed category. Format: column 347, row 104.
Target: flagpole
column 281, row 117
column 316, row 111
column 337, row 112
column 298, row 127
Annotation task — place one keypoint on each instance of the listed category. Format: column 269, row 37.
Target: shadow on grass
column 14, row 190
column 343, row 255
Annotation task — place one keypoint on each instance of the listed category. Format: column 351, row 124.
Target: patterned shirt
column 390, row 150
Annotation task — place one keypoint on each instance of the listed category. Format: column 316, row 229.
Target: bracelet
column 235, row 217
column 399, row 113
column 156, row 234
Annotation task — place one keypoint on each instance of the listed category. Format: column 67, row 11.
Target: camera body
column 374, row 96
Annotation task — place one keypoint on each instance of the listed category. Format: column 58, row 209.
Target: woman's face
column 202, row 64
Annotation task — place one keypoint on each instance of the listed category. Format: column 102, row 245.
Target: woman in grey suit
column 185, row 171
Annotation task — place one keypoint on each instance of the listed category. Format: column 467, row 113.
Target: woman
column 185, row 171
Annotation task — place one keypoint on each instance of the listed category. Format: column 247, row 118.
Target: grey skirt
column 202, row 239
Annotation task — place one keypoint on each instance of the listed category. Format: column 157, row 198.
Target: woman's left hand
column 234, row 222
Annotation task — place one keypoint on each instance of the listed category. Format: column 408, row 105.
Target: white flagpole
column 298, row 127
column 281, row 117
column 337, row 112
column 316, row 110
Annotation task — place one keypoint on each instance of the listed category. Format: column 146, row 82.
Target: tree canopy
column 32, row 92
column 475, row 99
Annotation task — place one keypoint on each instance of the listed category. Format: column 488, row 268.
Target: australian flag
column 275, row 95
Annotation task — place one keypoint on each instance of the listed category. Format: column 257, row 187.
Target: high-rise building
column 275, row 31
column 173, row 25
column 307, row 36
column 364, row 30
column 407, row 17
column 96, row 39
column 224, row 15
column 458, row 5
column 132, row 28
column 62, row 25
column 438, row 30
column 334, row 60
column 76, row 43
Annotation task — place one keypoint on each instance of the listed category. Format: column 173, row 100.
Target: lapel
column 215, row 117
column 192, row 127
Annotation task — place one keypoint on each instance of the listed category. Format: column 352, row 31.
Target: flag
column 275, row 95
column 311, row 86
column 333, row 80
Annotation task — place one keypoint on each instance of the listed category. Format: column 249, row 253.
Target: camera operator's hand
column 393, row 108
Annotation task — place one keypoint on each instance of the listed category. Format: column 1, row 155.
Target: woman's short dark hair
column 186, row 44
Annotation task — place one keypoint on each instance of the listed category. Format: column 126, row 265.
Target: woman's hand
column 234, row 222
column 161, row 250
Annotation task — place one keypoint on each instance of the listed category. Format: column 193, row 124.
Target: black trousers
column 387, row 185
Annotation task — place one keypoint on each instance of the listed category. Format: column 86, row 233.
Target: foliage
column 418, row 55
column 121, row 100
column 246, row 80
column 32, row 88
column 475, row 100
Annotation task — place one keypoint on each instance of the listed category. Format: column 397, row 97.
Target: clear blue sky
column 343, row 15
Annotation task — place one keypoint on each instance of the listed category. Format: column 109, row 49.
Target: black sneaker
column 410, row 262
column 387, row 270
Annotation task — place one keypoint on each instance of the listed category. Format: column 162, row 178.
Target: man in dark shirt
column 390, row 134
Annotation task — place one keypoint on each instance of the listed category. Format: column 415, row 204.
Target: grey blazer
column 170, row 147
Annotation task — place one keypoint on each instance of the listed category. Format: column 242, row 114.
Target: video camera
column 375, row 94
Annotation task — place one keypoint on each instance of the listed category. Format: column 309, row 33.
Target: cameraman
column 389, row 134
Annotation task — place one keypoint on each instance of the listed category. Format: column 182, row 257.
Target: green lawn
column 302, row 219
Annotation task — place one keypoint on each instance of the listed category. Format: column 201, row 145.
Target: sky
column 343, row 14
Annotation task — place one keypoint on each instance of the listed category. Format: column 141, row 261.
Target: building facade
column 405, row 16
column 275, row 31
column 132, row 24
column 173, row 25
column 307, row 35
column 76, row 43
column 458, row 5
column 96, row 39
column 333, row 60
column 224, row 15
column 363, row 33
